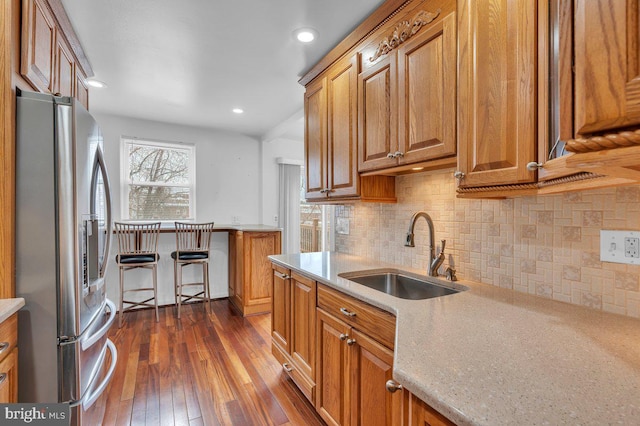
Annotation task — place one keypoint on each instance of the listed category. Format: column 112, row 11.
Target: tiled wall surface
column 548, row 245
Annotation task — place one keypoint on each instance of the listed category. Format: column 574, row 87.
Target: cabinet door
column 377, row 115
column 315, row 139
column 342, row 161
column 281, row 308
column 64, row 76
column 427, row 93
column 81, row 90
column 371, row 366
column 420, row 414
column 303, row 320
column 607, row 70
column 38, row 45
column 257, row 270
column 332, row 369
column 497, row 81
column 9, row 378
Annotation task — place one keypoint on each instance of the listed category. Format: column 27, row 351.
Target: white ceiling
column 191, row 61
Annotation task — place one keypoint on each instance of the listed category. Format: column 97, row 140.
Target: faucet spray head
column 409, row 242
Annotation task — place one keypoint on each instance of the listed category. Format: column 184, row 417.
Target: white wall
column 227, row 185
column 271, row 151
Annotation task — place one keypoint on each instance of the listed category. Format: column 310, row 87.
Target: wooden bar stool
column 192, row 248
column 138, row 248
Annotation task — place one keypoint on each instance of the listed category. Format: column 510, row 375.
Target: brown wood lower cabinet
column 293, row 324
column 250, row 277
column 418, row 413
column 9, row 378
column 9, row 360
column 352, row 372
column 339, row 352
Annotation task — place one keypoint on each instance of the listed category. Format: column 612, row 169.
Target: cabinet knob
column 345, row 312
column 3, row 346
column 458, row 174
column 393, row 386
column 344, row 337
column 398, row 154
column 286, row 367
column 533, row 166
column 351, row 342
column 390, row 155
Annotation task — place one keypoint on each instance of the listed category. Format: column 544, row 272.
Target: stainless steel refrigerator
column 63, row 234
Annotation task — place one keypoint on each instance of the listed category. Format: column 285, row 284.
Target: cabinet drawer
column 375, row 322
column 8, row 335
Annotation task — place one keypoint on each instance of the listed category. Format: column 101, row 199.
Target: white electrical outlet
column 275, row 218
column 620, row 246
column 631, row 247
column 236, row 220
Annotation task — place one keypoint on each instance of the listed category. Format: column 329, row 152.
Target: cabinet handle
column 398, row 154
column 351, row 342
column 3, row 377
column 3, row 346
column 283, row 276
column 393, row 386
column 347, row 313
column 390, row 155
column 344, row 337
column 286, row 367
column 533, row 166
column 458, row 174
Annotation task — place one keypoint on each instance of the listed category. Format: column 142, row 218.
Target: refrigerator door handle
column 100, row 166
column 91, row 340
column 93, row 394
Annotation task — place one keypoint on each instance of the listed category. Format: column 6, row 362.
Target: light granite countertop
column 225, row 227
column 9, row 307
column 490, row 356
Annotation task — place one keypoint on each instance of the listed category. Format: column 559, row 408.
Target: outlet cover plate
column 620, row 247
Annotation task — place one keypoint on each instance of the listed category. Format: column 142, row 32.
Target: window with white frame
column 158, row 180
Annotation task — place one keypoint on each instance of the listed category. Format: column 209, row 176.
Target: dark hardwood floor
column 207, row 368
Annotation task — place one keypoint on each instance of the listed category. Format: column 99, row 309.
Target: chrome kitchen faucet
column 434, row 261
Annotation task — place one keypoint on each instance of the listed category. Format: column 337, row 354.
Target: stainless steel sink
column 400, row 284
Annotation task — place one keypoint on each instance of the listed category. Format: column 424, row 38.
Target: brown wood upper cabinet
column 331, row 139
column 48, row 61
column 604, row 133
column 330, row 133
column 407, row 89
column 38, row 45
column 497, row 91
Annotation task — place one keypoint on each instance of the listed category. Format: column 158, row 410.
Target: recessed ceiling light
column 238, row 110
column 305, row 35
column 96, row 83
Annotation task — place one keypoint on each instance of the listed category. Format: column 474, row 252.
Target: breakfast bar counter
column 491, row 356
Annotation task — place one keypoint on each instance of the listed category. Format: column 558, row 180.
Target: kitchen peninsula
column 241, row 257
column 490, row 356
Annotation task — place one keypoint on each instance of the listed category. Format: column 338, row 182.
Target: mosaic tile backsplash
column 547, row 245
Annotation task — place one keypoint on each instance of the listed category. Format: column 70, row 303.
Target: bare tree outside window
column 159, row 181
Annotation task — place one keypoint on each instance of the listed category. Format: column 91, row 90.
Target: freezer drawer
column 81, row 360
